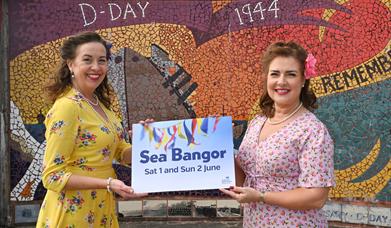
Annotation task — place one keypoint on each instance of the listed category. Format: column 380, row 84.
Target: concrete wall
column 214, row 47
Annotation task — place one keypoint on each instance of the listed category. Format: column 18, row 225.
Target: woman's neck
column 282, row 111
column 86, row 94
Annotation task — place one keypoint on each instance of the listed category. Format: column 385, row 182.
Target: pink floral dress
column 298, row 155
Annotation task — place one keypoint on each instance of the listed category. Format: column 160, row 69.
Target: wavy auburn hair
column 285, row 49
column 62, row 79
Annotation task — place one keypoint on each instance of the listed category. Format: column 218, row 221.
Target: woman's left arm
column 296, row 199
column 316, row 173
column 127, row 156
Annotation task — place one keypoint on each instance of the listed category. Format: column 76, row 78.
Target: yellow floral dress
column 79, row 141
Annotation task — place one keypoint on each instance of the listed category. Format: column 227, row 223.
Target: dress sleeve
column 316, row 159
column 62, row 125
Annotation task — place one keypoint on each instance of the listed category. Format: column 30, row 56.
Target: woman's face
column 284, row 81
column 89, row 66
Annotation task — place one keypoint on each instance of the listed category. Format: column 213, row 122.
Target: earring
column 302, row 86
column 72, row 74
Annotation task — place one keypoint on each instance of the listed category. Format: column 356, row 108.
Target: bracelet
column 108, row 182
column 262, row 197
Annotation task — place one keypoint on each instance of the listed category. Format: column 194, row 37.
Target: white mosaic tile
column 333, row 211
column 379, row 216
column 116, row 78
column 355, row 214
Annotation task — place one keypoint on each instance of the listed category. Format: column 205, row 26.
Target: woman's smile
column 282, row 92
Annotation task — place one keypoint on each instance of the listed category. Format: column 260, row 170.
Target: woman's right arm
column 61, row 131
column 117, row 186
column 239, row 174
column 62, row 125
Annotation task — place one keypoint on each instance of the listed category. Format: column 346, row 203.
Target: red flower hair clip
column 309, row 71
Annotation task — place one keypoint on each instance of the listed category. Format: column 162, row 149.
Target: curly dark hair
column 286, row 49
column 62, row 79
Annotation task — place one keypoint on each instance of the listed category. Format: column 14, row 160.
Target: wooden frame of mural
column 4, row 118
column 184, row 59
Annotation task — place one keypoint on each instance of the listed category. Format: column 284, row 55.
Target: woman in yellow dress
column 83, row 137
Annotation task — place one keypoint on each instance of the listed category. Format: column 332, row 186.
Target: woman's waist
column 93, row 171
column 269, row 177
column 272, row 212
column 274, row 183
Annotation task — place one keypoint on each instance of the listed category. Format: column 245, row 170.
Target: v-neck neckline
column 259, row 141
column 102, row 118
column 97, row 113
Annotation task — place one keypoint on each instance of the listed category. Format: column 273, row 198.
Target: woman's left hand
column 243, row 194
column 143, row 122
column 146, row 122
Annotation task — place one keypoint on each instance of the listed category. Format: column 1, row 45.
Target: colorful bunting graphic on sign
column 216, row 122
column 204, row 126
column 166, row 137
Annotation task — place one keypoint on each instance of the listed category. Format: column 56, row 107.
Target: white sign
column 181, row 155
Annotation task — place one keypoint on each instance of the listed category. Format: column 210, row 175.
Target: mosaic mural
column 184, row 59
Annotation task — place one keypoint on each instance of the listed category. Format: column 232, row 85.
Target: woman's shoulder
column 70, row 97
column 64, row 103
column 258, row 119
column 68, row 102
column 312, row 118
column 313, row 123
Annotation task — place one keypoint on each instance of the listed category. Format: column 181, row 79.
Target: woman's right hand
column 123, row 190
column 243, row 194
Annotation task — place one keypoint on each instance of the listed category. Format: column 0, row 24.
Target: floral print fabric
column 79, row 142
column 300, row 154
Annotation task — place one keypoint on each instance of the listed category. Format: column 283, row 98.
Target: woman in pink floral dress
column 285, row 162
